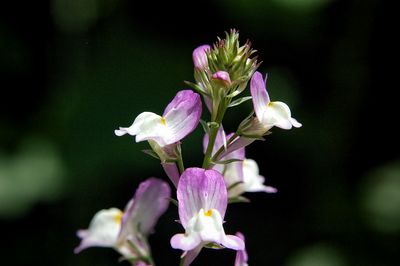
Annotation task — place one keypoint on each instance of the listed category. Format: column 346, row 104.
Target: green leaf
column 205, row 126
column 239, row 101
column 196, row 87
column 228, row 161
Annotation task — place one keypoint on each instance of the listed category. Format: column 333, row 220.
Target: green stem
column 211, row 141
column 182, row 262
column 179, row 160
column 181, row 166
column 217, row 115
column 151, row 261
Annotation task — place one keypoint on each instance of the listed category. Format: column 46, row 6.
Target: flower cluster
column 222, row 73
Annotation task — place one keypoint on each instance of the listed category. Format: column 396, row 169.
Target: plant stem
column 151, row 261
column 179, row 158
column 181, row 166
column 182, row 262
column 211, row 141
column 217, row 115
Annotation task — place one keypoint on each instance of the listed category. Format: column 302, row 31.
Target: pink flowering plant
column 222, row 73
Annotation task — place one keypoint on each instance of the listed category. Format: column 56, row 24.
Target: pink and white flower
column 202, row 198
column 247, row 173
column 268, row 113
column 179, row 119
column 122, row 230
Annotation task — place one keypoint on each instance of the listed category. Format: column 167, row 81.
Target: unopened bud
column 199, row 56
column 223, row 78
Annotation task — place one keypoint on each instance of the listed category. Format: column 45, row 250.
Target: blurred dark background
column 74, row 70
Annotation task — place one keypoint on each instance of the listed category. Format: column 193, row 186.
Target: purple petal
column 199, row 56
column 172, row 172
column 191, row 255
column 184, row 242
column 183, row 113
column 201, row 189
column 241, row 255
column 208, row 103
column 259, row 93
column 238, row 143
column 151, row 200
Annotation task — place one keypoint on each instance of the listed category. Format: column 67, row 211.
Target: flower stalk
column 222, row 72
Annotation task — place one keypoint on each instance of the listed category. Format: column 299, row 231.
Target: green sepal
column 214, row 246
column 174, row 201
column 151, row 153
column 238, row 199
column 234, row 185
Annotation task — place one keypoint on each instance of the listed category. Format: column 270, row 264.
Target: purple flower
column 122, row 230
column 241, row 255
column 180, row 118
column 199, row 56
column 268, row 113
column 203, row 200
column 151, row 200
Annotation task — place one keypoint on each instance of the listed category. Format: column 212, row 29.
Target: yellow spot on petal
column 270, row 104
column 208, row 213
column 163, row 121
column 118, row 217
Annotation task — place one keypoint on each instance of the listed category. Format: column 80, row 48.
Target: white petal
column 147, row 126
column 233, row 242
column 253, row 182
column 103, row 230
column 277, row 114
column 294, row 122
column 211, row 229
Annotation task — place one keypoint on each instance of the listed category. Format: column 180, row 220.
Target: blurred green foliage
column 73, row 71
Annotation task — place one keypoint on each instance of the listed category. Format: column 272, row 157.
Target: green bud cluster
column 227, row 55
column 227, row 72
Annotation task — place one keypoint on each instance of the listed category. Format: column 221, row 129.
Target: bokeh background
column 74, row 70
